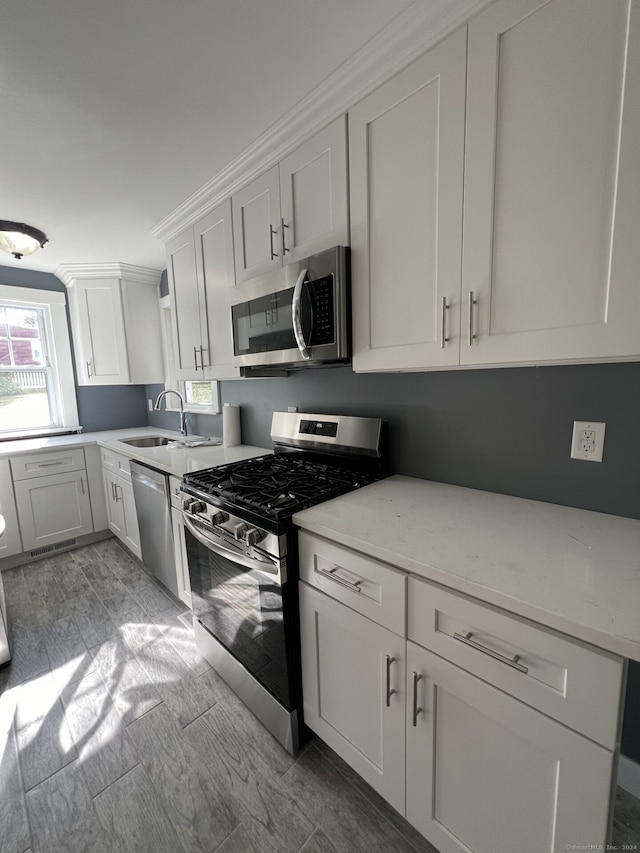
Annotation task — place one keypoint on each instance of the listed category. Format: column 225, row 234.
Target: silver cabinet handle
column 82, row 484
column 389, row 689
column 444, row 339
column 416, row 710
column 49, row 464
column 329, row 573
column 195, row 357
column 514, row 661
column 203, row 350
column 271, row 236
column 284, row 245
column 89, row 374
column 472, row 304
column 297, row 320
column 113, row 490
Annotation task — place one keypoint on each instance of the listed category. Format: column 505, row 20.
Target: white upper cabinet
column 551, row 249
column 406, row 143
column 256, row 226
column 539, row 262
column 115, row 320
column 313, row 194
column 297, row 208
column 201, row 273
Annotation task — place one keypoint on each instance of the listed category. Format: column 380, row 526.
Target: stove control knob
column 186, row 504
column 239, row 530
column 253, row 536
column 196, row 506
column 219, row 517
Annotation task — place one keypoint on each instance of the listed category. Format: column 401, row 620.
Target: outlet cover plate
column 588, row 440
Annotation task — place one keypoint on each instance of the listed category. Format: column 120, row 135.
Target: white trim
column 629, row 775
column 30, row 294
column 408, row 36
column 69, row 273
column 55, row 303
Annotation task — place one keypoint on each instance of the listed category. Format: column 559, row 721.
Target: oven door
column 242, row 601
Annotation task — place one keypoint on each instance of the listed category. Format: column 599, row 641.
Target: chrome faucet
column 156, row 407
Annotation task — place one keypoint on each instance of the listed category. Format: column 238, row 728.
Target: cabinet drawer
column 43, row 464
column 575, row 683
column 114, row 462
column 374, row 589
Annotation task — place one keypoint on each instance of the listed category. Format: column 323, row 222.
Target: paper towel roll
column 231, row 425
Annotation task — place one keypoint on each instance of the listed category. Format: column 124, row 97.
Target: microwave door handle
column 297, row 320
column 264, row 566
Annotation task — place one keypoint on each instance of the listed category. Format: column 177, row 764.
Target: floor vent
column 49, row 549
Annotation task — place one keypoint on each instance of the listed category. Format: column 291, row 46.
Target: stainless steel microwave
column 298, row 316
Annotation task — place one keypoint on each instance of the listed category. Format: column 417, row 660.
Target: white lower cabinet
column 10, row 542
column 353, row 674
column 487, row 773
column 53, row 509
column 486, row 746
column 121, row 508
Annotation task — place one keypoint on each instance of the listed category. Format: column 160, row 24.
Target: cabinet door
column 52, row 509
column 102, row 350
column 256, row 226
column 130, row 532
column 10, row 542
column 406, row 149
column 348, row 699
column 313, row 195
column 216, row 277
column 487, row 773
column 180, row 549
column 551, row 251
column 115, row 515
column 185, row 305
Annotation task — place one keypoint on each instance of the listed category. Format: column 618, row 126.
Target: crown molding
column 407, row 37
column 70, row 273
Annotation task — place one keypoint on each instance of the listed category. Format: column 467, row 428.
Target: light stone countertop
column 569, row 569
column 171, row 460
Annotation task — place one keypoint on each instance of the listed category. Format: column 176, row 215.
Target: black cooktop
column 278, row 486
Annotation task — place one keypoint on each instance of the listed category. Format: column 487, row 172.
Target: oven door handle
column 297, row 319
column 265, row 566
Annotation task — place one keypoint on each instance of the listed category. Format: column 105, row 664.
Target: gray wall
column 99, row 407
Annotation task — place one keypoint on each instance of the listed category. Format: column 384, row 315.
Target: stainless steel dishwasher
column 151, row 496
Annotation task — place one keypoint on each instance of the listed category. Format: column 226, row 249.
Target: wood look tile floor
column 116, row 736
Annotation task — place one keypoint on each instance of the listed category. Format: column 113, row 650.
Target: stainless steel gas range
column 242, row 554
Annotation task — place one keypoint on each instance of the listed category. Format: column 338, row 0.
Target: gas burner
column 277, row 486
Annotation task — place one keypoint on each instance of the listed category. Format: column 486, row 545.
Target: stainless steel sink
column 147, row 441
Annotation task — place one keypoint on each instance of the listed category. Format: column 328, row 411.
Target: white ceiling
column 115, row 112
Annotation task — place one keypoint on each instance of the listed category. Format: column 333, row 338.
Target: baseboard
column 629, row 775
column 25, row 557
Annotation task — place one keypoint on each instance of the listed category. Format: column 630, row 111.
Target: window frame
column 53, row 303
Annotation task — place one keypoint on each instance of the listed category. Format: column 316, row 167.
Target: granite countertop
column 171, row 460
column 569, row 569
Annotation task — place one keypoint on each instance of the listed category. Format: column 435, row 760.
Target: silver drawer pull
column 472, row 304
column 50, row 464
column 330, row 573
column 390, row 691
column 514, row 661
column 416, row 710
column 443, row 337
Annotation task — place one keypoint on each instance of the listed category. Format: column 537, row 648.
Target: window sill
column 39, row 433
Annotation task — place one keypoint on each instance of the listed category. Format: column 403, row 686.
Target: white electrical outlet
column 588, row 441
column 150, row 405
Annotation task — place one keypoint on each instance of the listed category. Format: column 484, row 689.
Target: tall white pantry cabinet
column 494, row 188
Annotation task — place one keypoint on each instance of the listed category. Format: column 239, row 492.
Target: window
column 37, row 391
column 199, row 395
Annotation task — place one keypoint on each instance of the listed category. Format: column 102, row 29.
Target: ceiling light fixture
column 19, row 239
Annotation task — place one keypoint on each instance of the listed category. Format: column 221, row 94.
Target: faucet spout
column 156, row 407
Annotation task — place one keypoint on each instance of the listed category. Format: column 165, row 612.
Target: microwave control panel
column 323, row 311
